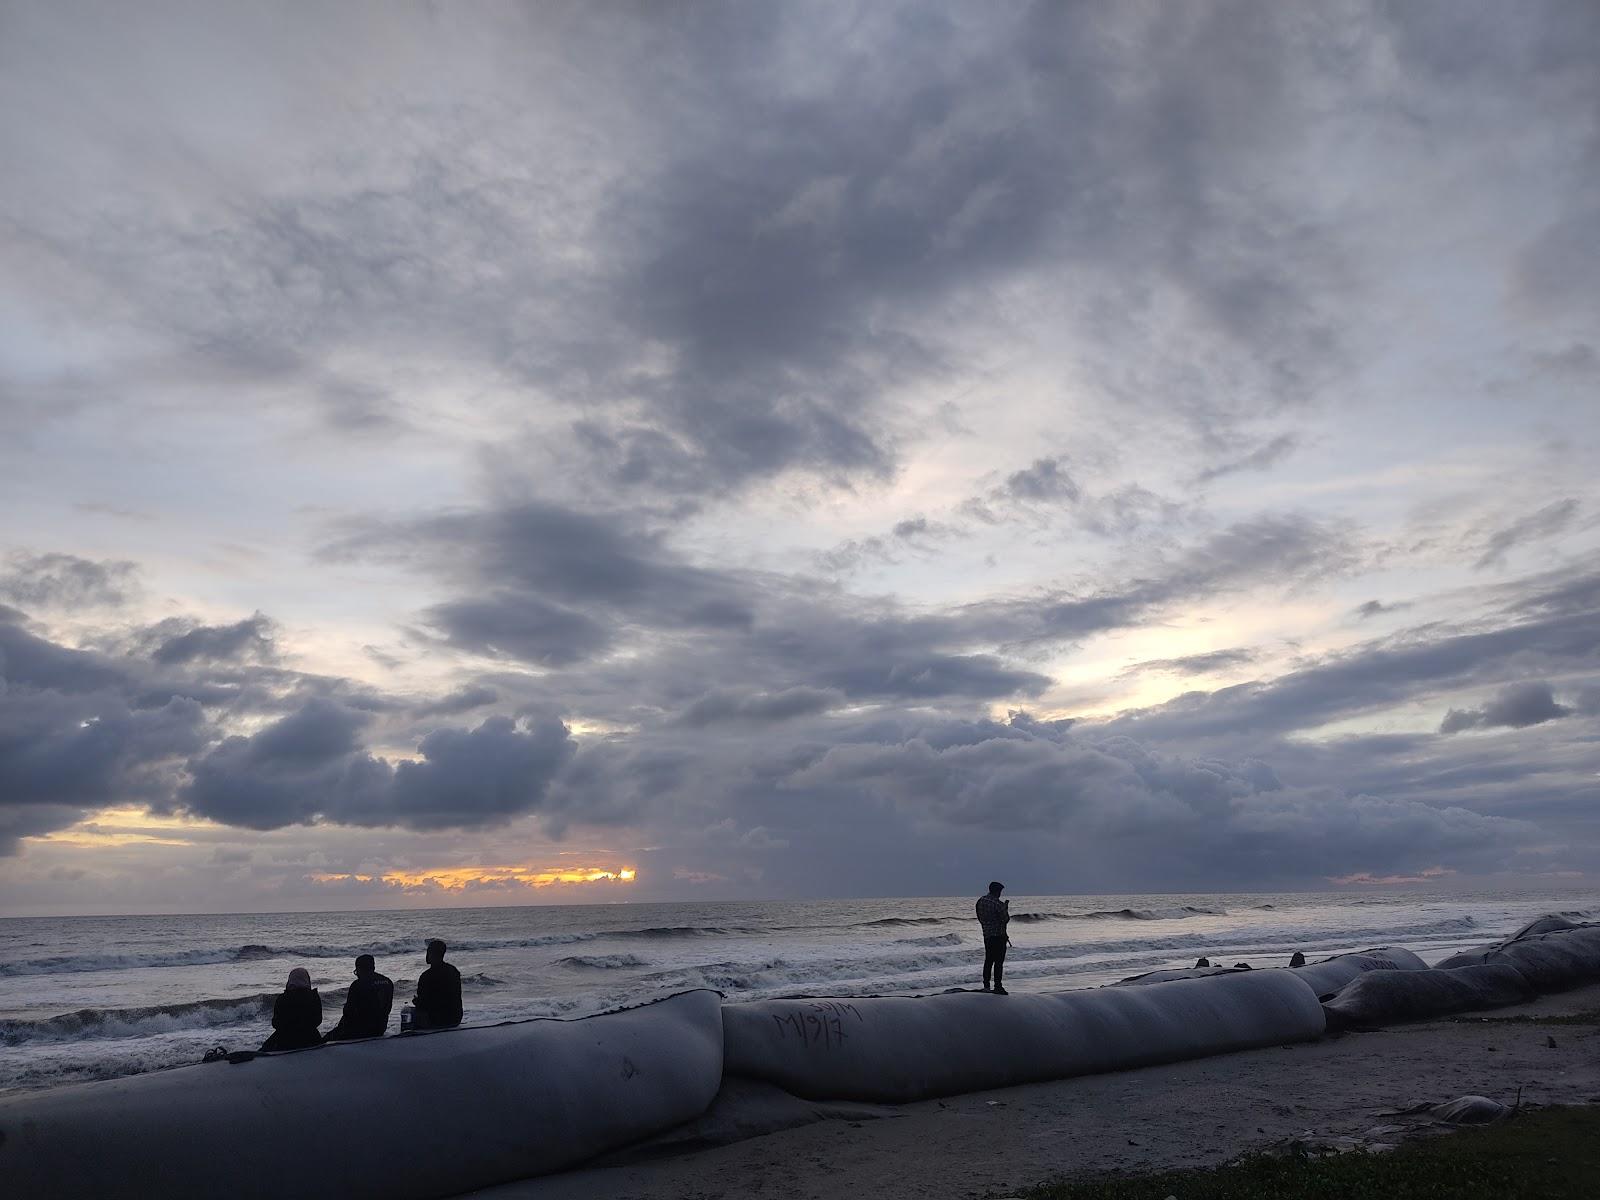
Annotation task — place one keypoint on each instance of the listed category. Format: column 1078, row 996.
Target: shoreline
column 1190, row 1114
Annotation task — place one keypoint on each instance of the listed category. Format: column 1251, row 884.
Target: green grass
column 1551, row 1154
column 1591, row 1017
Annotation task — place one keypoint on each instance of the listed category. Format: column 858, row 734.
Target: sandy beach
column 1186, row 1114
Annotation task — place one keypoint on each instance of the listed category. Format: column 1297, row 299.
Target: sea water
column 96, row 997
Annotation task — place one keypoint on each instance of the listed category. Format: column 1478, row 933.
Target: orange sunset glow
column 460, row 878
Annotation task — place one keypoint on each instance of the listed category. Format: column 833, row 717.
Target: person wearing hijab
column 296, row 1015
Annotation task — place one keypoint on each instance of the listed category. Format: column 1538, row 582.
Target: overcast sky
column 817, row 449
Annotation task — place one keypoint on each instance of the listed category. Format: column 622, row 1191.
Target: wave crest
column 601, row 962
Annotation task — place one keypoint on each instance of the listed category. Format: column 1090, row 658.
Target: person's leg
column 988, row 961
column 999, row 961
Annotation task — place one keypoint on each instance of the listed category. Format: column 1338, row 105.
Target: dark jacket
column 993, row 916
column 366, row 1009
column 439, row 997
column 296, row 1016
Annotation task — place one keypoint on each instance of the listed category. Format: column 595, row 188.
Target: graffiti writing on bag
column 824, row 1025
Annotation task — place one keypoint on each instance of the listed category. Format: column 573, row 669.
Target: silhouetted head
column 365, row 965
column 298, row 978
column 1299, row 960
column 996, row 888
column 436, row 950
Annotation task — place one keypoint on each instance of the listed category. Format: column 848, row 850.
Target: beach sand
column 1188, row 1114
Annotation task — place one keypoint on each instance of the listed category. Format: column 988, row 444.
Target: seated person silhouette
column 296, row 1015
column 366, row 1007
column 438, row 998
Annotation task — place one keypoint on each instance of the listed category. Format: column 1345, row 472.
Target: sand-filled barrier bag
column 1324, row 978
column 1332, row 974
column 898, row 1049
column 1168, row 976
column 409, row 1117
column 1383, row 997
column 1553, row 962
column 1552, row 953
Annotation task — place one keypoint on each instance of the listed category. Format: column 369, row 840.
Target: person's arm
column 383, row 1004
column 277, row 1013
column 424, row 999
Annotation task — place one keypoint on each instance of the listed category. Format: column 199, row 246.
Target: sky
column 524, row 453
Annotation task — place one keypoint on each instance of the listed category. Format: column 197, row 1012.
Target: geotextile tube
column 405, row 1118
column 897, row 1049
column 1384, row 997
column 1553, row 962
column 1332, row 974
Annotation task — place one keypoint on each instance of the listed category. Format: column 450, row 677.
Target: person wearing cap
column 366, row 1005
column 296, row 1015
column 994, row 914
column 438, row 998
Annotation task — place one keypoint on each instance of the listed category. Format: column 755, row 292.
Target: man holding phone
column 994, row 914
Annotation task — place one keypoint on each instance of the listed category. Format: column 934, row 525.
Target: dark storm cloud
column 550, row 569
column 30, row 660
column 72, row 738
column 956, row 788
column 1515, row 706
column 65, row 581
column 745, row 705
column 511, row 624
column 249, row 640
column 482, row 776
column 571, row 591
column 85, row 729
column 311, row 766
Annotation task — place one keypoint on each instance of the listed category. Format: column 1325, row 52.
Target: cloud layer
column 830, row 452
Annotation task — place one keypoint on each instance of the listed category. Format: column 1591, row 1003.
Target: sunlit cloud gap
column 461, row 878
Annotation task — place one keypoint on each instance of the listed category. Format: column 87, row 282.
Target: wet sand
column 1186, row 1114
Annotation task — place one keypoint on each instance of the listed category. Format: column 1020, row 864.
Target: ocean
column 96, row 997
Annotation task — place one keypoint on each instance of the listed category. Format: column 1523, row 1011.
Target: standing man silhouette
column 994, row 914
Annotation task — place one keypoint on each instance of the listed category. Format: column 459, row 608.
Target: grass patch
column 1591, row 1017
column 1551, row 1154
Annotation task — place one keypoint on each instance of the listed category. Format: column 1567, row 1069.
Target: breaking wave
column 258, row 952
column 138, row 1022
column 601, row 962
column 1179, row 913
